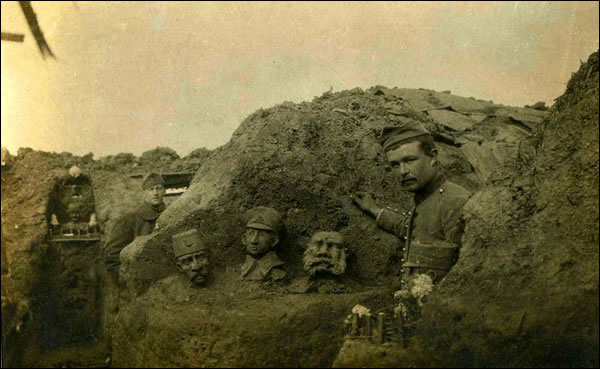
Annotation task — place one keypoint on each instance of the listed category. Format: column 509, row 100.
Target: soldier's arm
column 392, row 222
column 452, row 219
column 120, row 235
column 386, row 219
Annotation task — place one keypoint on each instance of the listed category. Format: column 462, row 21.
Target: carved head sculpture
column 325, row 254
column 191, row 255
column 262, row 231
column 75, row 210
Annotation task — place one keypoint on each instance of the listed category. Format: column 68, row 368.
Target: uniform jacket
column 137, row 223
column 434, row 228
column 265, row 268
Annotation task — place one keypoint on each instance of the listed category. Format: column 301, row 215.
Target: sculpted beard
column 319, row 262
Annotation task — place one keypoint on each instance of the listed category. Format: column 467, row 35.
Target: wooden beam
column 14, row 37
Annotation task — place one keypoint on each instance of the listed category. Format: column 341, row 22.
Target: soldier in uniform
column 431, row 233
column 263, row 231
column 137, row 223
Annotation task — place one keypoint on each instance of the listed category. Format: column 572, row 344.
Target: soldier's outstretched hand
column 365, row 202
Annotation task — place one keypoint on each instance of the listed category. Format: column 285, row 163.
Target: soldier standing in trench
column 431, row 233
column 141, row 221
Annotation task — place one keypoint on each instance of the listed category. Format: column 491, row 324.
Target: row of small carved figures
column 379, row 327
column 74, row 228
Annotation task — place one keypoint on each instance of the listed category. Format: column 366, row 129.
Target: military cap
column 152, row 179
column 264, row 218
column 391, row 135
column 188, row 242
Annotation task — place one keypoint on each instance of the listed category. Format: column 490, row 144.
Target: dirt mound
column 302, row 159
column 525, row 290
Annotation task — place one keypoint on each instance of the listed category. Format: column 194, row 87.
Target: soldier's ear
column 244, row 240
column 434, row 157
column 275, row 241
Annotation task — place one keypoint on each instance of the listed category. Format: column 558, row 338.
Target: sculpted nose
column 404, row 169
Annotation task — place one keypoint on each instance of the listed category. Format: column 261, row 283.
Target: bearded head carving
column 325, row 254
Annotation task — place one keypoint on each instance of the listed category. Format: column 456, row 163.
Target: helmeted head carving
column 325, row 254
column 263, row 229
column 191, row 255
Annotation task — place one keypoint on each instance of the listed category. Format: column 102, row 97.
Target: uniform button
column 409, row 213
column 441, row 190
column 406, row 226
column 403, row 213
column 405, row 238
column 402, row 259
column 404, row 249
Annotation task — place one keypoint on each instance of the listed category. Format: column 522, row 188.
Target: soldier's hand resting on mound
column 366, row 203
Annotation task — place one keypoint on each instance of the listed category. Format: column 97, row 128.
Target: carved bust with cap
column 191, row 256
column 432, row 231
column 264, row 227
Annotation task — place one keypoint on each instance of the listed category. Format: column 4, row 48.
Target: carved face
column 74, row 212
column 325, row 254
column 194, row 266
column 259, row 241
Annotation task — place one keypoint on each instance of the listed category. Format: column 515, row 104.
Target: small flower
column 423, row 285
column 360, row 310
column 401, row 294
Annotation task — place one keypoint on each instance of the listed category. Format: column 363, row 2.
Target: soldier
column 263, row 231
column 137, row 223
column 432, row 231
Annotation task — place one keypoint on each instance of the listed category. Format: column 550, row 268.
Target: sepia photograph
column 300, row 184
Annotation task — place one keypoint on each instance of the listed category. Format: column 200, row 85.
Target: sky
column 132, row 76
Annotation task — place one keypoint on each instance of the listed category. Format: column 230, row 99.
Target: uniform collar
column 149, row 212
column 430, row 188
column 264, row 264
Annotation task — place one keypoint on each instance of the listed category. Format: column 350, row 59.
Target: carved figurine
column 263, row 231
